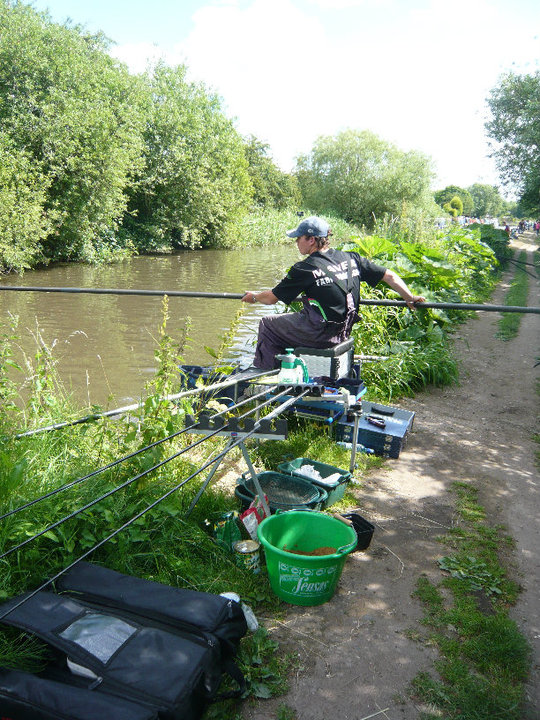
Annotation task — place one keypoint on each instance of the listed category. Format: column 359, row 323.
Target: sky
column 417, row 73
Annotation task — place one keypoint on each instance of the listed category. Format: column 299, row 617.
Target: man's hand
column 393, row 280
column 266, row 297
column 411, row 304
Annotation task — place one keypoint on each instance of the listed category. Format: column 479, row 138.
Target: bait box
column 387, row 441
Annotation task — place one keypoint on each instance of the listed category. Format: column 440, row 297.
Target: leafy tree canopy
column 487, row 200
column 195, row 183
column 72, row 112
column 360, row 177
column 514, row 128
column 454, row 206
column 271, row 186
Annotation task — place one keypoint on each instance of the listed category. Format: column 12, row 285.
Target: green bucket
column 305, row 579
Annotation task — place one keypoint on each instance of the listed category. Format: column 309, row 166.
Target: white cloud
column 138, row 56
column 417, row 74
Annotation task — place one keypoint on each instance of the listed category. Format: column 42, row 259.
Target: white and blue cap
column 311, row 226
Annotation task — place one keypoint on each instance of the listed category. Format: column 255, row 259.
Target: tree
column 195, row 183
column 487, row 200
column 514, row 128
column 72, row 111
column 445, row 196
column 271, row 186
column 23, row 224
column 360, row 177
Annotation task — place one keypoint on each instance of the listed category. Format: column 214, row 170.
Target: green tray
column 335, row 489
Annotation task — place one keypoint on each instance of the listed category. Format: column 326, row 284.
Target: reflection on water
column 105, row 343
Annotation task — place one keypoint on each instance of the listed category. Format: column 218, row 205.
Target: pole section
column 239, row 296
column 126, row 291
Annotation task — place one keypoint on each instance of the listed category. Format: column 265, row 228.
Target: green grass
column 509, row 323
column 483, row 658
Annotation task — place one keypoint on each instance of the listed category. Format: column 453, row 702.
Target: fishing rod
column 127, row 291
column 125, row 484
column 280, row 409
column 71, row 484
column 454, row 306
column 239, row 296
column 523, row 269
column 128, row 408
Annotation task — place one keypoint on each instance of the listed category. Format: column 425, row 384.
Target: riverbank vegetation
column 97, row 164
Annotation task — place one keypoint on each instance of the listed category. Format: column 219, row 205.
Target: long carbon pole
column 127, row 291
column 129, row 408
column 239, row 296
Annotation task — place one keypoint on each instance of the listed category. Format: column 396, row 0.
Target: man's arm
column 266, row 297
column 393, row 280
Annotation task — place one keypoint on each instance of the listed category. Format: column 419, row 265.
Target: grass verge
column 484, row 659
column 509, row 323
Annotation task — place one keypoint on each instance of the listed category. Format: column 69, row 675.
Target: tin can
column 246, row 553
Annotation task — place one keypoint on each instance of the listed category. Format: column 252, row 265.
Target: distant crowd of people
column 522, row 226
column 463, row 220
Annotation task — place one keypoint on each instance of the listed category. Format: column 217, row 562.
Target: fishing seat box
column 335, row 362
column 387, row 441
column 160, row 648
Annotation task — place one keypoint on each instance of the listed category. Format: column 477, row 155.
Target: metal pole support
column 356, row 410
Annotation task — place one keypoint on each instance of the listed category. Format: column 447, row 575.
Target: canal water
column 104, row 344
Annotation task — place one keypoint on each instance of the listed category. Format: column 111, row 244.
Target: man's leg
column 269, row 344
column 278, row 332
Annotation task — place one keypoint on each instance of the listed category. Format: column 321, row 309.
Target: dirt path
column 354, row 654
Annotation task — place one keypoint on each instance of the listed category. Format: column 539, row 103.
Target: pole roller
column 239, row 296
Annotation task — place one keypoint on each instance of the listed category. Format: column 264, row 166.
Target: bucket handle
column 346, row 548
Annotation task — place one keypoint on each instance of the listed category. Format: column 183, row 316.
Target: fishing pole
column 280, row 409
column 71, row 484
column 128, row 408
column 239, row 296
column 143, row 474
column 523, row 269
column 454, row 306
column 127, row 291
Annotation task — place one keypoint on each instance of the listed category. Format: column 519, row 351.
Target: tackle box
column 387, row 441
column 335, row 488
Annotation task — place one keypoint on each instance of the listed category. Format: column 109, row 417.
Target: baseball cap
column 313, row 226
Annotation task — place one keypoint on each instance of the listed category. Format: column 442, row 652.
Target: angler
column 329, row 283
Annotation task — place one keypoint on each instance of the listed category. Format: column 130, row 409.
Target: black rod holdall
column 160, row 648
column 191, row 610
column 24, row 696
